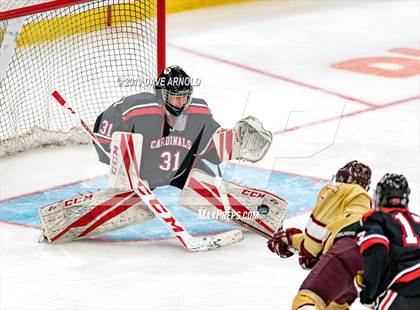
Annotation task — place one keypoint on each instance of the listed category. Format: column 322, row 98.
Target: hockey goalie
column 166, row 138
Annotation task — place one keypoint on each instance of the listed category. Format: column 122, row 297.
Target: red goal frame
column 57, row 4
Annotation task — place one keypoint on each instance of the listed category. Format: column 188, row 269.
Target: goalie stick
column 163, row 214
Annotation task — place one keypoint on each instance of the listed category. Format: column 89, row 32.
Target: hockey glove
column 281, row 241
column 306, row 260
column 365, row 301
column 252, row 140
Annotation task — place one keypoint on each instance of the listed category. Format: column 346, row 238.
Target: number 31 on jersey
column 169, row 161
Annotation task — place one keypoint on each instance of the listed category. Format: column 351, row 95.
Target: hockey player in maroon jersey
column 328, row 245
column 389, row 241
column 177, row 129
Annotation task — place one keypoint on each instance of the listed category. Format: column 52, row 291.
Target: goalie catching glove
column 253, row 141
column 248, row 140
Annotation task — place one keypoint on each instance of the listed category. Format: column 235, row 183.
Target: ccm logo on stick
column 251, row 193
column 78, row 200
column 161, row 210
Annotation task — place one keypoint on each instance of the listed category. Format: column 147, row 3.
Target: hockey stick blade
column 163, row 214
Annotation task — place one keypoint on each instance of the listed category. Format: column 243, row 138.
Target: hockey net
column 92, row 52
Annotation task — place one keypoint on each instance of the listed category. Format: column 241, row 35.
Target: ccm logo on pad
column 114, row 160
column 247, row 192
column 78, row 200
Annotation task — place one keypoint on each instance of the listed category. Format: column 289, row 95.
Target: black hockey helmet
column 392, row 191
column 174, row 89
column 354, row 172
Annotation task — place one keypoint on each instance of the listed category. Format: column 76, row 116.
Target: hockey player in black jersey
column 389, row 240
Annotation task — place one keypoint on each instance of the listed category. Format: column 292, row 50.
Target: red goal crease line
column 102, row 239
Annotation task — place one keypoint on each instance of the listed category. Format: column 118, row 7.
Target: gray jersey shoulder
column 199, row 102
column 137, row 101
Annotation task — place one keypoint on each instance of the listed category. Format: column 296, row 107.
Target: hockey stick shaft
column 146, row 195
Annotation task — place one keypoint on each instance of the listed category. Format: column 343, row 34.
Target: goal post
column 94, row 52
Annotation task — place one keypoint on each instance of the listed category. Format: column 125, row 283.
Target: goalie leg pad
column 125, row 146
column 92, row 214
column 259, row 209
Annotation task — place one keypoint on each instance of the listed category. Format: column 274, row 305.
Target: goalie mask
column 174, row 90
column 392, row 191
column 354, row 172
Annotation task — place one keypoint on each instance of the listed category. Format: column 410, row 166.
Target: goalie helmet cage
column 92, row 52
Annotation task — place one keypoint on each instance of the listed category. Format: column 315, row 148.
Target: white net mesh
column 87, row 52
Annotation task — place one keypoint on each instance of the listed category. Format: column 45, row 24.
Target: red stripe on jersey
column 198, row 110
column 388, row 301
column 143, row 111
column 312, row 237
column 371, row 242
column 317, row 222
column 389, row 210
column 103, row 141
column 408, row 277
column 367, row 214
column 92, row 214
column 307, row 304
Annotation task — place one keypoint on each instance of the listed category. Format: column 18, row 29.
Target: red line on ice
column 347, row 115
column 269, row 74
column 105, row 240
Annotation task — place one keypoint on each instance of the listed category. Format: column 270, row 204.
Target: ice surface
column 257, row 58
